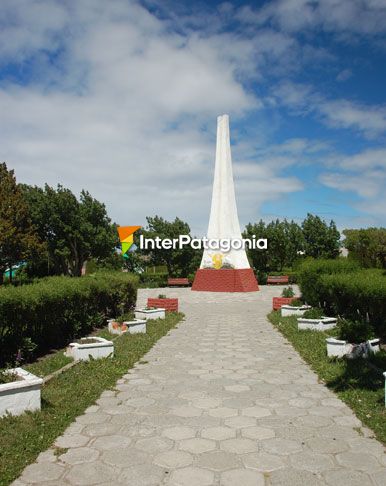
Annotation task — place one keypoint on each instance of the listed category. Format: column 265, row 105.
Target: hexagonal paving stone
column 179, row 432
column 142, row 475
column 222, row 412
column 255, row 412
column 197, row 446
column 311, row 461
column 281, row 446
column 153, row 445
column 240, row 422
column 110, row 442
column 239, row 446
column 237, row 388
column 76, row 440
column 218, row 461
column 379, row 477
column 218, row 433
column 257, row 433
column 173, row 459
column 124, row 457
column 38, row 473
column 327, row 446
column 192, row 476
column 347, row 477
column 79, row 455
column 206, row 403
column 244, row 477
column 263, row 462
column 358, row 460
column 186, row 411
column 97, row 430
column 90, row 473
column 294, row 477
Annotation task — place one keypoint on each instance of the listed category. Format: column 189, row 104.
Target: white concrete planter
column 373, row 345
column 289, row 310
column 21, row 395
column 322, row 324
column 82, row 352
column 150, row 313
column 137, row 326
column 337, row 347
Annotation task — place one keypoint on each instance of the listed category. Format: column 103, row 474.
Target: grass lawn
column 354, row 381
column 67, row 395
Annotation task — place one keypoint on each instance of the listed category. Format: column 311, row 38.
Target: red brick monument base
column 225, row 280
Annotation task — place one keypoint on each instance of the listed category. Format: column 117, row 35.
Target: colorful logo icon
column 126, row 236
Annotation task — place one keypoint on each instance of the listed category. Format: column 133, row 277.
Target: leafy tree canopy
column 367, row 246
column 180, row 263
column 18, row 238
column 74, row 230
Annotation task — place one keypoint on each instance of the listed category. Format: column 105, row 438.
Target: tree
column 18, row 238
column 367, row 246
column 74, row 231
column 285, row 240
column 321, row 240
column 179, row 262
column 258, row 259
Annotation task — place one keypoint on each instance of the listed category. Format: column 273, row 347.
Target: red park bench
column 178, row 282
column 277, row 279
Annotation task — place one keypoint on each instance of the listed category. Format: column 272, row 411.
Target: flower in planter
column 288, row 292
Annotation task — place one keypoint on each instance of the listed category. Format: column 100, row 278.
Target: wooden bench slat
column 274, row 279
column 178, row 281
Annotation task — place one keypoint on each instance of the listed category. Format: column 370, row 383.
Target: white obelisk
column 224, row 220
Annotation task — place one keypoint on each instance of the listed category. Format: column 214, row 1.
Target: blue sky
column 121, row 98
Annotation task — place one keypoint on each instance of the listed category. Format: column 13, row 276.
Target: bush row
column 153, row 280
column 342, row 288
column 48, row 314
column 311, row 271
column 357, row 296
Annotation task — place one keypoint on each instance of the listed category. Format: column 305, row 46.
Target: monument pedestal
column 225, row 280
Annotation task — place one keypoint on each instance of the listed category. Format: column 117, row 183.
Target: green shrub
column 288, row 292
column 310, row 272
column 355, row 331
column 261, row 277
column 153, row 280
column 314, row 313
column 357, row 296
column 296, row 303
column 48, row 314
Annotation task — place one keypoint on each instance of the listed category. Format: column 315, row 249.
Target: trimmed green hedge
column 48, row 314
column 358, row 296
column 153, row 280
column 342, row 288
column 311, row 271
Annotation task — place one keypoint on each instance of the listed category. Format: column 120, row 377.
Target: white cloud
column 352, row 16
column 126, row 108
column 302, row 99
column 344, row 75
column 364, row 174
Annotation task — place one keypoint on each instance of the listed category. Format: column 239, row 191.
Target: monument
column 224, row 271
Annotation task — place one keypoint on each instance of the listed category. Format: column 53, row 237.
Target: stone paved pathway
column 222, row 400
